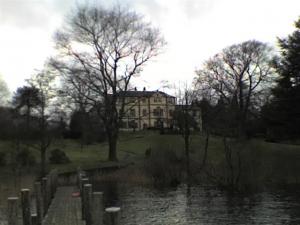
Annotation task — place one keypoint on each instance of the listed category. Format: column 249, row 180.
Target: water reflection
column 144, row 205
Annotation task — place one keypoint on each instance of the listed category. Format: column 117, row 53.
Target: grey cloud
column 39, row 13
column 24, row 13
column 197, row 8
column 151, row 7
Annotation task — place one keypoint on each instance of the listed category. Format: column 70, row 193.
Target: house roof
column 142, row 94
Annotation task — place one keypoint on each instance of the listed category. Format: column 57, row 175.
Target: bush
column 164, row 167
column 2, row 158
column 25, row 158
column 58, row 156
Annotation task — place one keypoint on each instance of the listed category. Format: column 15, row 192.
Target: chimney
column 135, row 88
column 144, row 89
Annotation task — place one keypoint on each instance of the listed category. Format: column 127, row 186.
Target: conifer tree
column 283, row 112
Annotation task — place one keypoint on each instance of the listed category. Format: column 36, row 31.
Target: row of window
column 156, row 112
column 145, row 100
column 134, row 124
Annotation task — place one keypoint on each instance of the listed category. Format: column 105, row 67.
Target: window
column 158, row 112
column 161, row 112
column 157, row 99
column 133, row 124
column 171, row 113
column 143, row 100
column 170, row 100
column 121, row 113
column 144, row 112
column 132, row 112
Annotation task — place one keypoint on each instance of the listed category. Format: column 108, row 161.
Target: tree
column 100, row 50
column 7, row 115
column 25, row 99
column 4, row 92
column 282, row 113
column 33, row 101
column 239, row 75
column 43, row 83
column 184, row 120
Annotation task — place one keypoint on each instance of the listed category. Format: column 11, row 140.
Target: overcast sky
column 194, row 30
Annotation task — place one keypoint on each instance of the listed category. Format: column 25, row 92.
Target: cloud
column 197, row 8
column 24, row 13
column 153, row 10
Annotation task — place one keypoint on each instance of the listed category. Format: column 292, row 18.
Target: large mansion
column 149, row 109
column 146, row 109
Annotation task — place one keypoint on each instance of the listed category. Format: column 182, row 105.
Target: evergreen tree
column 283, row 112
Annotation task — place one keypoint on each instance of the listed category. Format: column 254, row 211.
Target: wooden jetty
column 64, row 209
column 65, row 205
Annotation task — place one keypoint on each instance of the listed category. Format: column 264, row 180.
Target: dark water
column 148, row 206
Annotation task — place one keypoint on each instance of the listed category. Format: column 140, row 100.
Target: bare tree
column 100, row 50
column 239, row 75
column 184, row 120
column 4, row 92
column 43, row 82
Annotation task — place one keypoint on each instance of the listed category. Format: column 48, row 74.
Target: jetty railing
column 93, row 211
column 92, row 205
column 44, row 192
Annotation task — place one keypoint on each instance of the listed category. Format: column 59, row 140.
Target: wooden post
column 26, row 206
column 12, row 210
column 48, row 186
column 45, row 194
column 79, row 182
column 97, row 211
column 83, row 182
column 55, row 181
column 53, row 176
column 34, row 219
column 39, row 202
column 78, row 178
column 113, row 215
column 87, row 202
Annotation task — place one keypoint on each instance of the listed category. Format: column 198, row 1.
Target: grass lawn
column 132, row 147
column 279, row 162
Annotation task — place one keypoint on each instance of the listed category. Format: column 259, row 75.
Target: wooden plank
column 64, row 209
column 39, row 202
column 12, row 210
column 26, row 210
column 97, row 212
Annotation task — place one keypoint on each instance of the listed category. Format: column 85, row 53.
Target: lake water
column 148, row 206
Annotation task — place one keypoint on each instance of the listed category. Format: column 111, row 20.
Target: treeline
column 36, row 118
column 248, row 90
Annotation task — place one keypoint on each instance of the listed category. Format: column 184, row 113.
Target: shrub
column 25, row 158
column 2, row 158
column 58, row 156
column 164, row 167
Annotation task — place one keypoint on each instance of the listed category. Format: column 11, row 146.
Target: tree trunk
column 112, row 141
column 242, row 126
column 187, row 155
column 43, row 162
column 112, row 156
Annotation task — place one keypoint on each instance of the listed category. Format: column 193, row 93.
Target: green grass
column 270, row 162
column 277, row 158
